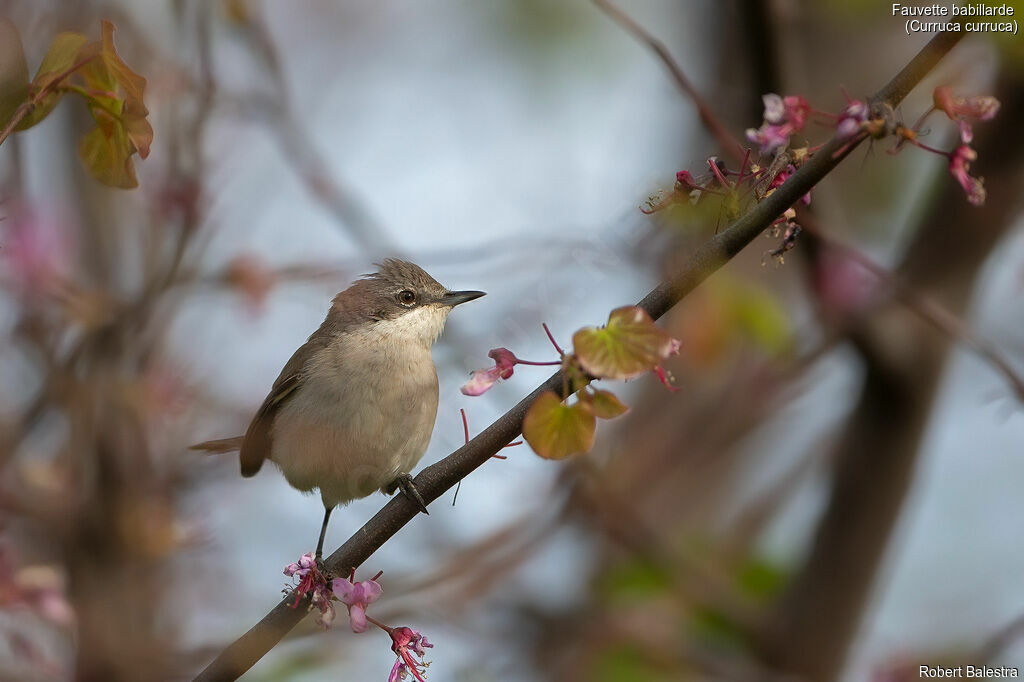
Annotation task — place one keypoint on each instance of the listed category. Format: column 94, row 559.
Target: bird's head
column 400, row 301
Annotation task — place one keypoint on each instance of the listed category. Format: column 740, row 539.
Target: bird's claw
column 411, row 492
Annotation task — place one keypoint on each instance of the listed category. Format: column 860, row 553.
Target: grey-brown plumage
column 353, row 409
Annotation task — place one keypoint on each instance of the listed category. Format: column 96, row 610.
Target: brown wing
column 258, row 440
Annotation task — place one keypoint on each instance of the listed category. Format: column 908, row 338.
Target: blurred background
column 833, row 493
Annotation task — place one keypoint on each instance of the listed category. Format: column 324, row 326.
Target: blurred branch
column 436, row 479
column 708, row 117
column 926, row 307
column 997, row 642
column 875, row 457
column 693, row 583
column 301, row 153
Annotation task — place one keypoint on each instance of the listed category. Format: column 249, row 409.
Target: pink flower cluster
column 782, row 177
column 852, row 120
column 355, row 595
column 963, row 110
column 40, row 589
column 313, row 582
column 783, row 116
column 410, row 646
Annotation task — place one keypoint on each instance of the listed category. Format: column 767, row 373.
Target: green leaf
column 555, row 430
column 133, row 85
column 113, row 93
column 107, row 153
column 629, row 345
column 604, row 404
column 66, row 50
column 13, row 71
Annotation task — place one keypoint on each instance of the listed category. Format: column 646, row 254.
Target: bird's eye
column 406, row 297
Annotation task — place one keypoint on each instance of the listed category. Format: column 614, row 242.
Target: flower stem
column 551, row 338
column 385, row 628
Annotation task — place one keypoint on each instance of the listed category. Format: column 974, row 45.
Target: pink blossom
column 769, row 137
column 483, row 379
column 966, row 132
column 981, row 108
column 783, row 116
column 303, row 567
column 965, row 109
column 791, row 109
column 314, row 583
column 406, row 643
column 959, row 167
column 41, row 588
column 357, row 596
column 663, row 377
column 782, row 177
column 504, row 361
column 685, row 182
column 660, row 372
column 852, row 120
column 37, row 250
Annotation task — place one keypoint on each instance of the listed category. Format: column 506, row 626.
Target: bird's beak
column 454, row 298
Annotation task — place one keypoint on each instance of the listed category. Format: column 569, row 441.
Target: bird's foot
column 409, row 489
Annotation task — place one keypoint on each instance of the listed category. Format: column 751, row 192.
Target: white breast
column 364, row 412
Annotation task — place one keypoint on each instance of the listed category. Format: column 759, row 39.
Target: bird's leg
column 409, row 489
column 323, row 534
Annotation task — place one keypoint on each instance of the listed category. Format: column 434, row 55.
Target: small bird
column 353, row 409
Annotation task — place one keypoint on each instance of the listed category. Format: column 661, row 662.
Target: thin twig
column 27, row 107
column 999, row 640
column 708, row 117
column 927, row 308
column 304, row 157
column 440, row 477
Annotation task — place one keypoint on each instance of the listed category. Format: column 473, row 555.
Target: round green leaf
column 629, row 345
column 555, row 430
column 605, row 404
column 107, row 153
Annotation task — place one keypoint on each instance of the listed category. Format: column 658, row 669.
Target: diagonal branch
column 440, row 477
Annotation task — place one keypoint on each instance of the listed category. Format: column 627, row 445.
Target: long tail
column 217, row 447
